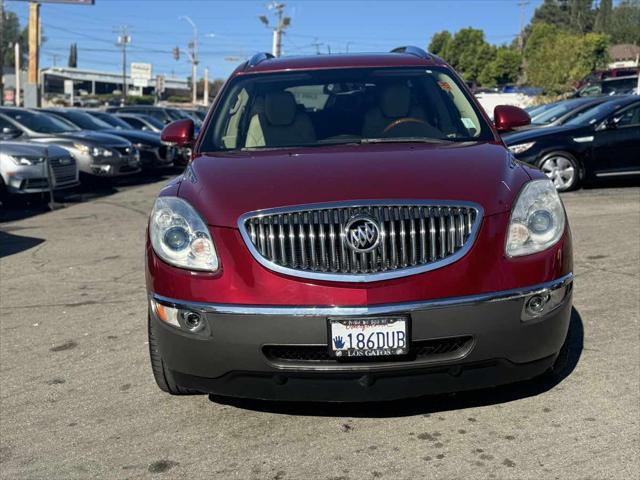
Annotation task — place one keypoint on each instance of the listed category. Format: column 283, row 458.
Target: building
column 624, row 55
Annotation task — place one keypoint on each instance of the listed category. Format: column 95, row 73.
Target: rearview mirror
column 178, row 133
column 508, row 117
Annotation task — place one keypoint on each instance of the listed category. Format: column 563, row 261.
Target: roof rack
column 415, row 51
column 258, row 58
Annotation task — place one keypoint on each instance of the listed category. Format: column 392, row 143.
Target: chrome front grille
column 311, row 241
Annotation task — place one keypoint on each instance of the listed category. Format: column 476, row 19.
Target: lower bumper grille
column 63, row 173
column 319, row 354
column 366, row 242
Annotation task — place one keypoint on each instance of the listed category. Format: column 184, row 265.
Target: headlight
column 521, row 147
column 27, row 160
column 537, row 220
column 180, row 237
column 101, row 152
column 82, row 147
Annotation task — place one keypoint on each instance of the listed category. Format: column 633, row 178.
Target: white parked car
column 26, row 167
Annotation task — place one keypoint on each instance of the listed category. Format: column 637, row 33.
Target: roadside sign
column 140, row 82
column 141, row 71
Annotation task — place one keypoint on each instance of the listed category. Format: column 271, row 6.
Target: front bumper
column 489, row 344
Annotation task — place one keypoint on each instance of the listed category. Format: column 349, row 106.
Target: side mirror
column 178, row 133
column 508, row 117
column 10, row 132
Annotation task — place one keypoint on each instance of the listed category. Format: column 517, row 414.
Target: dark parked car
column 152, row 153
column 139, row 121
column 352, row 228
column 563, row 111
column 164, row 114
column 96, row 153
column 610, row 86
column 111, row 119
column 603, row 141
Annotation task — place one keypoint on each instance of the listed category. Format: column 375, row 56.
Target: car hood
column 31, row 149
column 224, row 186
column 535, row 133
column 97, row 139
column 135, row 136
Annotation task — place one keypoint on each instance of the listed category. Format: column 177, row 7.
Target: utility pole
column 124, row 39
column 523, row 10
column 282, row 23
column 34, row 54
column 206, row 87
column 17, row 67
column 317, row 44
column 193, row 54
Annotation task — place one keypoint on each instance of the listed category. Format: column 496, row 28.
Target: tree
column 581, row 16
column 552, row 12
column 440, row 43
column 625, row 22
column 503, row 69
column 603, row 17
column 12, row 34
column 557, row 69
column 467, row 51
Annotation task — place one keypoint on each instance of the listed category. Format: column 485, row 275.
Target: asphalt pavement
column 77, row 398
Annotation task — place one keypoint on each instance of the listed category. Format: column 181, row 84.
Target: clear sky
column 229, row 31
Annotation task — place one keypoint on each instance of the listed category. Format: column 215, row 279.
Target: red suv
column 351, row 227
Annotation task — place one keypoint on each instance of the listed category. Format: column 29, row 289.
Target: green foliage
column 603, row 17
column 503, row 69
column 12, row 34
column 625, row 22
column 552, row 12
column 439, row 43
column 556, row 58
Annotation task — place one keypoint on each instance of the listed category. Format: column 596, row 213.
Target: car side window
column 630, row 117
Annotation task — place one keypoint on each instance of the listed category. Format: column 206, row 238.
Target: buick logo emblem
column 362, row 233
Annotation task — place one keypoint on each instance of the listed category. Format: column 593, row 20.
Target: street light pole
column 123, row 40
column 194, row 60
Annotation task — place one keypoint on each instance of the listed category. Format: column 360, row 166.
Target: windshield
column 555, row 112
column 594, row 115
column 112, row 120
column 343, row 106
column 39, row 122
column 83, row 120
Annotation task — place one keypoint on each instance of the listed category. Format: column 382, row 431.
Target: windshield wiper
column 403, row 140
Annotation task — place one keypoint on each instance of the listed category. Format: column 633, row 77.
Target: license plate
column 369, row 337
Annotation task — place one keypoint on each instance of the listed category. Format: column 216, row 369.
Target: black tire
column 4, row 194
column 566, row 156
column 569, row 354
column 162, row 375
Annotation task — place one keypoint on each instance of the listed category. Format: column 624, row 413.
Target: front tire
column 563, row 169
column 162, row 375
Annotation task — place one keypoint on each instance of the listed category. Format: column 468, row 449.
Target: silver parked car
column 27, row 167
column 96, row 153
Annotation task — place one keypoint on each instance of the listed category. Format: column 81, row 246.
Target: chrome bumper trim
column 390, row 308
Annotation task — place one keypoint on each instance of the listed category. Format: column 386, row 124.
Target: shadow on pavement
column 11, row 244
column 566, row 363
column 19, row 207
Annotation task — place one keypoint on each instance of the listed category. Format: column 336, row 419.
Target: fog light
column 535, row 305
column 543, row 302
column 192, row 321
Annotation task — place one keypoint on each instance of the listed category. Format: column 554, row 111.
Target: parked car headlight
column 521, row 147
column 84, row 149
column 26, row 160
column 537, row 219
column 101, row 152
column 180, row 237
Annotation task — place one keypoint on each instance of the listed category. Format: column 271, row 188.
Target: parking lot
column 78, row 399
